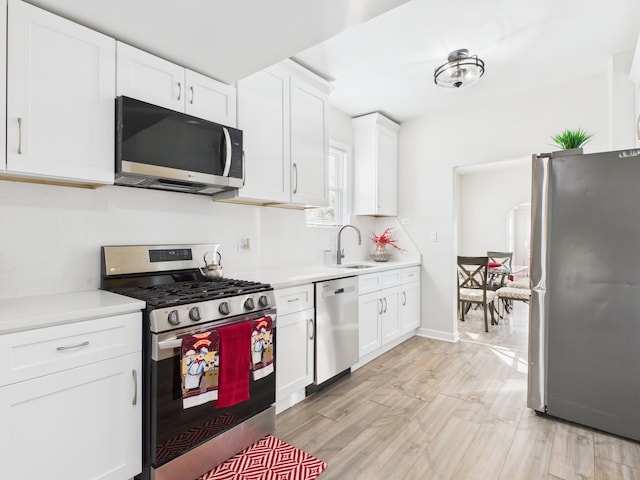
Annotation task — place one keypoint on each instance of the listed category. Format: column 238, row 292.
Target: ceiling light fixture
column 460, row 70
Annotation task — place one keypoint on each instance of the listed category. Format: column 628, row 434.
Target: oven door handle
column 170, row 344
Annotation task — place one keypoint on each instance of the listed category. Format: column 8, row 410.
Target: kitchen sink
column 355, row 266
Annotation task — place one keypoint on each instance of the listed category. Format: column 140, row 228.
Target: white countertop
column 292, row 276
column 26, row 313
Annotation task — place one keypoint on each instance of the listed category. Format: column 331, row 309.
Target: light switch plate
column 433, row 236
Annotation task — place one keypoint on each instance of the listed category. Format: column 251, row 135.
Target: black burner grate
column 179, row 293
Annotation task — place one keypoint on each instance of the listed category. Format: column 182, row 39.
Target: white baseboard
column 438, row 335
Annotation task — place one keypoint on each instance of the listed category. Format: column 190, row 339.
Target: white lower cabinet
column 369, row 310
column 388, row 310
column 378, row 309
column 294, row 344
column 410, row 301
column 70, row 398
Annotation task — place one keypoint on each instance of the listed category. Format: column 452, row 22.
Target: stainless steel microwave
column 163, row 149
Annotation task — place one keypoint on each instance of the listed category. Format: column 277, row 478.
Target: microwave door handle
column 227, row 162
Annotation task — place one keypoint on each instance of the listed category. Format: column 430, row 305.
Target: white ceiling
column 377, row 61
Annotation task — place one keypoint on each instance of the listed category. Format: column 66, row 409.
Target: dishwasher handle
column 326, row 292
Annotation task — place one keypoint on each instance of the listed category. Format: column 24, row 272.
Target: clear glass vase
column 380, row 253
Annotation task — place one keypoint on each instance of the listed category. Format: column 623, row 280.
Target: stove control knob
column 173, row 317
column 224, row 309
column 194, row 314
column 249, row 304
column 263, row 301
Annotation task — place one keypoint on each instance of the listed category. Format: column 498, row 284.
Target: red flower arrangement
column 386, row 238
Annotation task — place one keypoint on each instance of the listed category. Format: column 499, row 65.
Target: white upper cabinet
column 309, row 144
column 376, row 165
column 3, row 82
column 282, row 112
column 146, row 77
column 60, row 98
column 263, row 117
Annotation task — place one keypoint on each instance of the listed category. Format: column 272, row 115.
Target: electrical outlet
column 433, row 236
column 244, row 245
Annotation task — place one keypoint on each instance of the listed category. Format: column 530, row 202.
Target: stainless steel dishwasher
column 336, row 327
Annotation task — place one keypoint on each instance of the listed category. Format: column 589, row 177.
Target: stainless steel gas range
column 188, row 428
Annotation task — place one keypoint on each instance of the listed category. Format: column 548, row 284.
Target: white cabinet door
column 149, row 78
column 80, row 424
column 263, row 116
column 60, row 98
column 375, row 165
column 410, row 312
column 209, row 99
column 3, row 82
column 387, row 172
column 295, row 352
column 152, row 79
column 309, row 145
column 390, row 318
column 370, row 308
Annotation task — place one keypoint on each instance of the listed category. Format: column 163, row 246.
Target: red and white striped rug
column 268, row 459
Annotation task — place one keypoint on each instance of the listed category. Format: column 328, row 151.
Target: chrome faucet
column 340, row 252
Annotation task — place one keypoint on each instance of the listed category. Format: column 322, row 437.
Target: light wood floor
column 437, row 410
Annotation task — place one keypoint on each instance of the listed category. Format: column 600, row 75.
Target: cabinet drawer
column 391, row 278
column 294, row 299
column 369, row 282
column 34, row 353
column 411, row 274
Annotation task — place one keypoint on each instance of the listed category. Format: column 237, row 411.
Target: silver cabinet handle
column 311, row 329
column 19, row 135
column 71, row 347
column 192, row 94
column 179, row 90
column 381, row 310
column 385, row 304
column 135, row 387
column 295, row 169
column 404, row 298
column 293, row 299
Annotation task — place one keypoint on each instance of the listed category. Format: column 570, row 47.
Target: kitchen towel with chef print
column 199, row 368
column 262, row 348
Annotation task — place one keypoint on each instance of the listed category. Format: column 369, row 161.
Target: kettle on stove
column 212, row 271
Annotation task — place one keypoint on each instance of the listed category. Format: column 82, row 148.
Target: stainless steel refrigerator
column 584, row 317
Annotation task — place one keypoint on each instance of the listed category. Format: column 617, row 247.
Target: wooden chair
column 472, row 287
column 500, row 279
column 508, row 295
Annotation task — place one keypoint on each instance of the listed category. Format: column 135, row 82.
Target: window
column 333, row 214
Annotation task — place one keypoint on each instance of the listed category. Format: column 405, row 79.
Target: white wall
column 485, row 199
column 432, row 147
column 50, row 236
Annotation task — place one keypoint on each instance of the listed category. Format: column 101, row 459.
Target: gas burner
column 165, row 295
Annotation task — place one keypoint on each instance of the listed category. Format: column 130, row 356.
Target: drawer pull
column 404, row 298
column 71, row 347
column 135, row 387
column 293, row 300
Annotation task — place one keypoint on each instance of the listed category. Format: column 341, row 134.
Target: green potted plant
column 569, row 139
